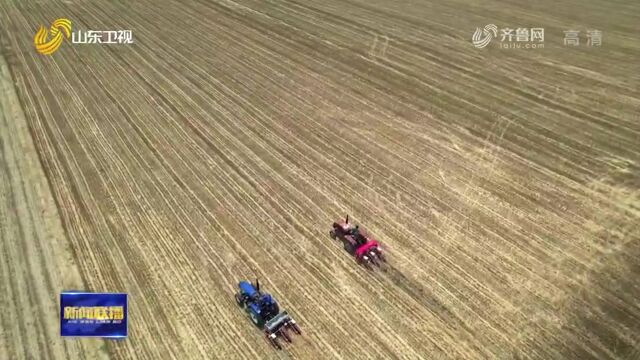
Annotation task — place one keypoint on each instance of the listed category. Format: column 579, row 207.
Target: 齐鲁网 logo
column 482, row 37
column 509, row 38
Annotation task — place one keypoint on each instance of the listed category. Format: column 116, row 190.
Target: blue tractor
column 265, row 313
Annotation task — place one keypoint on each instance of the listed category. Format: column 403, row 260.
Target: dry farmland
column 224, row 141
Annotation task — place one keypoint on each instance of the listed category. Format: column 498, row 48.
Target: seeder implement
column 358, row 243
column 279, row 327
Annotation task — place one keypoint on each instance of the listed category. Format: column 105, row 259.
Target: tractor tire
column 239, row 300
column 349, row 248
column 332, row 234
column 256, row 320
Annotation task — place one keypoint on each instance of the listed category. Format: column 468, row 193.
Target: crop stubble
column 504, row 182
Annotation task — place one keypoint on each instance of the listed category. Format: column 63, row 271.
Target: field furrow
column 222, row 144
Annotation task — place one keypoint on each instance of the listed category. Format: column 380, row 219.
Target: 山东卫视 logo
column 48, row 41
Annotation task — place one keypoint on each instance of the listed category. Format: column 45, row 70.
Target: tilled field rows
column 223, row 143
column 37, row 261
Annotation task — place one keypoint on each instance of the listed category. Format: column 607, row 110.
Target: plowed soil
column 222, row 144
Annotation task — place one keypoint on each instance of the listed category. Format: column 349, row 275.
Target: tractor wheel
column 256, row 319
column 348, row 247
column 239, row 300
column 332, row 234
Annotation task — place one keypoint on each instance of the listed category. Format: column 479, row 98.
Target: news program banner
column 84, row 314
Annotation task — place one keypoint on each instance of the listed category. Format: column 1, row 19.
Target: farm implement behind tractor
column 265, row 313
column 358, row 243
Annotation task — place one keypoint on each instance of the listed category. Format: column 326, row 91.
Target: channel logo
column 86, row 314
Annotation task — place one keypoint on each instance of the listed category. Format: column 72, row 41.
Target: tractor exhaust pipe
column 257, row 285
column 346, row 221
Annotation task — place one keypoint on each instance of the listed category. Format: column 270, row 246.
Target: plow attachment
column 279, row 326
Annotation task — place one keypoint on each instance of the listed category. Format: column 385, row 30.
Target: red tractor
column 356, row 242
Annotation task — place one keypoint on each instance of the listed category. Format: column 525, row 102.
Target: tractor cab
column 359, row 237
column 267, row 306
